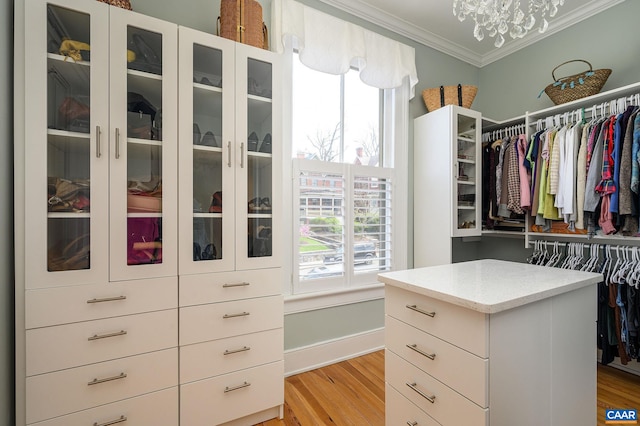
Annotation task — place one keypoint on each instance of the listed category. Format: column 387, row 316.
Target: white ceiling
column 432, row 23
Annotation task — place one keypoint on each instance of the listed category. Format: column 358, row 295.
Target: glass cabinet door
column 206, row 153
column 144, row 161
column 260, row 146
column 65, row 128
column 467, row 176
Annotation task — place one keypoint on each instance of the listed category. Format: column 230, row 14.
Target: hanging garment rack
column 509, row 131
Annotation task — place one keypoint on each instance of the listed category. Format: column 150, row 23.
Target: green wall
column 510, row 86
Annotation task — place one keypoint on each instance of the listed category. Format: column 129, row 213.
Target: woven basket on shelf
column 125, row 4
column 576, row 86
column 437, row 97
column 241, row 21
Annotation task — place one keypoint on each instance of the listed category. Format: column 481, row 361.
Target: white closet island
column 490, row 342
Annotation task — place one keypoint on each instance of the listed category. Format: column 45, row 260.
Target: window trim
column 396, row 126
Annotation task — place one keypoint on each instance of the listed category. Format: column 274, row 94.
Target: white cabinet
column 230, row 155
column 97, row 259
column 231, row 310
column 488, row 343
column 448, row 178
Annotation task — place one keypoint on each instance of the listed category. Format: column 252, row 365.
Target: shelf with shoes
column 229, row 262
column 99, row 224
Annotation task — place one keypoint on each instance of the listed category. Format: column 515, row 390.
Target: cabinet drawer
column 63, row 392
column 73, row 345
column 157, row 409
column 400, row 411
column 219, row 320
column 231, row 396
column 448, row 406
column 461, row 327
column 202, row 360
column 62, row 305
column 225, row 286
column 457, row 368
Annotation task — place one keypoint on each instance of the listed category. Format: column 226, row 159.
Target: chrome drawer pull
column 414, row 347
column 241, row 314
column 235, row 351
column 242, row 155
column 410, row 423
column 415, row 308
column 229, row 150
column 106, row 299
column 104, row 336
column 107, row 379
column 431, row 398
column 242, row 284
column 111, row 422
column 231, row 389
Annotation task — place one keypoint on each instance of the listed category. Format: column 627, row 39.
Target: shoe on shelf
column 265, row 145
column 265, row 205
column 196, row 134
column 253, row 142
column 216, row 203
column 210, row 140
column 254, row 205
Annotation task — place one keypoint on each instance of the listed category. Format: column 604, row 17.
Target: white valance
column 328, row 44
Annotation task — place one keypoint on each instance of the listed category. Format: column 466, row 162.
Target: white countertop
column 489, row 286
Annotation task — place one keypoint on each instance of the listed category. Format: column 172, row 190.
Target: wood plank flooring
column 352, row 393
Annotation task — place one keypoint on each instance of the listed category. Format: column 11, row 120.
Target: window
column 343, row 181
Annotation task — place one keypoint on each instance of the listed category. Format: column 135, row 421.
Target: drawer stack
column 231, row 340
column 436, row 362
column 97, row 354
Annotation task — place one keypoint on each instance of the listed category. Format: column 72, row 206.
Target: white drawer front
column 219, row 320
column 400, row 411
column 225, row 286
column 448, row 406
column 457, row 368
column 208, row 359
column 462, row 327
column 63, row 392
column 231, row 396
column 72, row 345
column 157, row 409
column 62, row 305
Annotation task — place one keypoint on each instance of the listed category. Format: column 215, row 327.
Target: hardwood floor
column 352, row 393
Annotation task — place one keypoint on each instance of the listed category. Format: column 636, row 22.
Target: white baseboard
column 318, row 355
column 632, row 367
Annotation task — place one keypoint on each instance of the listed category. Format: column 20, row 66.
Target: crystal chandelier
column 497, row 17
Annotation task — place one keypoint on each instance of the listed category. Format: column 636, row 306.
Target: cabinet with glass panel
column 96, row 249
column 230, row 152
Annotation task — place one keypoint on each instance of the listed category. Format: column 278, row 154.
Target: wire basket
column 576, row 86
column 437, row 97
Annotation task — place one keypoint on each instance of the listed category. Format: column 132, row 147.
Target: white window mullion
column 348, row 225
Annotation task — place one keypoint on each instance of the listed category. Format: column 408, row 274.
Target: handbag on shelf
column 241, row 21
column 437, row 97
column 577, row 86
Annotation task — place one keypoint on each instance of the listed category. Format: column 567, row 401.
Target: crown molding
column 413, row 32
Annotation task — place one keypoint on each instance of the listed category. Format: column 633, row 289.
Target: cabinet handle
column 235, row 351
column 98, row 150
column 106, row 335
column 242, row 284
column 414, row 347
column 414, row 387
column 455, row 168
column 242, row 155
column 229, row 151
column 241, row 314
column 231, row 389
column 106, row 299
column 121, row 419
column 107, row 379
column 117, row 142
column 410, row 423
column 415, row 308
